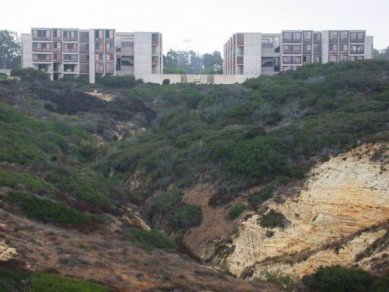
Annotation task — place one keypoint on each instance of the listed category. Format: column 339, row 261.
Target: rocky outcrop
column 342, row 211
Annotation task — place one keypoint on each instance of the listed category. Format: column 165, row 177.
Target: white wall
column 142, row 53
column 369, row 47
column 92, row 57
column 252, row 54
column 192, row 78
column 26, row 50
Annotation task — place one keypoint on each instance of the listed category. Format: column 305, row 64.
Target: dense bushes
column 42, row 282
column 150, row 240
column 16, row 179
column 273, row 219
column 49, row 211
column 179, row 216
column 30, row 74
column 268, row 129
column 119, row 81
column 236, row 210
column 343, row 279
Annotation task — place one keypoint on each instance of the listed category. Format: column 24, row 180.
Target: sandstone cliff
column 339, row 217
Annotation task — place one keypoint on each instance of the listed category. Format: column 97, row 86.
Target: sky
column 200, row 25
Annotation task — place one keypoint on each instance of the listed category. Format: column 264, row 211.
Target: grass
column 48, row 211
column 150, row 240
column 43, row 282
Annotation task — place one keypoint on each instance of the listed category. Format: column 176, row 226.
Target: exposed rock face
column 337, row 217
column 6, row 252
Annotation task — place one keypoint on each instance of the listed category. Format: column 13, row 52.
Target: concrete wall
column 26, row 50
column 92, row 58
column 142, row 53
column 325, row 43
column 252, row 54
column 192, row 78
column 369, row 47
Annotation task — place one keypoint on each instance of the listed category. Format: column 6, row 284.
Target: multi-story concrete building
column 139, row 53
column 307, row 47
column 266, row 54
column 252, row 54
column 91, row 53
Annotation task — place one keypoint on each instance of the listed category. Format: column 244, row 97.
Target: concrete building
column 307, row 47
column 266, row 54
column 91, row 53
column 139, row 53
column 252, row 54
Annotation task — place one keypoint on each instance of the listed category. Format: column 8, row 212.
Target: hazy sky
column 206, row 23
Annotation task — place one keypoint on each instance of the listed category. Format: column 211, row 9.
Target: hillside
column 82, row 165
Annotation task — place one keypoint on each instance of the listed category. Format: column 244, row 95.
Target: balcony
column 70, row 39
column 41, row 58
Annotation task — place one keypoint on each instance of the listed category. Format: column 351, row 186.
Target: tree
column 10, row 52
column 381, row 55
column 190, row 62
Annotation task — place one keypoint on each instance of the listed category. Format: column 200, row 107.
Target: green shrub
column 180, row 216
column 14, row 179
column 48, row 211
column 339, row 279
column 42, row 282
column 186, row 216
column 236, row 210
column 273, row 219
column 150, row 240
column 30, row 74
column 119, row 81
column 262, row 196
column 82, row 184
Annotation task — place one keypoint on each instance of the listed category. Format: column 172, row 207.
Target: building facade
column 252, row 54
column 267, row 54
column 91, row 53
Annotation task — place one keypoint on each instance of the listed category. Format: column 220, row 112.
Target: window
column 343, row 58
column 70, row 58
column 361, row 37
column 287, row 37
column 287, row 49
column 344, row 37
column 307, row 59
column 316, row 59
column 307, row 49
column 357, row 49
column 109, row 47
column 353, row 37
column 291, row 60
column 317, row 38
column 240, row 39
column 297, row 37
column 333, row 58
column 287, row 60
column 239, row 60
column 99, row 57
column 317, row 49
column 333, row 49
column 296, row 49
column 307, row 36
column 99, row 47
column 333, row 37
column 343, row 49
